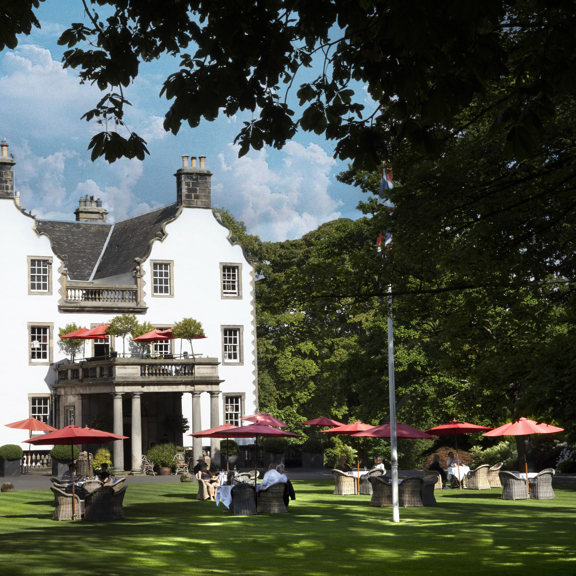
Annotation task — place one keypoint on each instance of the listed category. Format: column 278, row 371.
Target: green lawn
column 167, row 530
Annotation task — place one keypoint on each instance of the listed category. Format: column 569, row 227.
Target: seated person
column 289, row 493
column 104, row 475
column 272, row 476
column 452, row 460
column 378, row 464
column 435, row 465
column 198, row 465
column 210, row 480
column 70, row 474
column 343, row 465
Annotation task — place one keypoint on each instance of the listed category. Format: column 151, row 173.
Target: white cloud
column 277, row 202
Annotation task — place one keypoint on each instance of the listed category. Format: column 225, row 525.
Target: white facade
column 203, row 274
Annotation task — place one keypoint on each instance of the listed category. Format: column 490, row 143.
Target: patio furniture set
column 419, row 491
column 91, row 500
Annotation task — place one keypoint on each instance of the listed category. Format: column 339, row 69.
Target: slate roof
column 111, row 247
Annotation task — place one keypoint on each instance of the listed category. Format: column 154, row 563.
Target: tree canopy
column 305, row 65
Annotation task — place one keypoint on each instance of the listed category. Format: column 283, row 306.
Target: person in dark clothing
column 198, row 466
column 435, row 465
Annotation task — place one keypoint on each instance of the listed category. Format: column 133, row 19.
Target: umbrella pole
column 458, row 462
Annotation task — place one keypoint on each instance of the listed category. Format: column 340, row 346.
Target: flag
column 387, row 181
column 383, row 242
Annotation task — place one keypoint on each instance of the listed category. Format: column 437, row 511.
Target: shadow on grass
column 166, row 528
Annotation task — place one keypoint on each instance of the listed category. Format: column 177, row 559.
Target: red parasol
column 457, row 427
column 75, row 435
column 524, row 427
column 266, row 419
column 33, row 425
column 322, row 421
column 155, row 336
column 402, row 431
column 96, row 333
column 79, row 334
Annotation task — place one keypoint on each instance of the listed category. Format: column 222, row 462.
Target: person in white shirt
column 378, row 464
column 272, row 476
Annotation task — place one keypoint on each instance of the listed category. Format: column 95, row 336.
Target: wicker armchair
column 118, row 502
column 410, row 492
column 63, row 502
column 541, row 485
column 243, row 499
column 203, row 492
column 180, row 465
column 271, row 500
column 433, row 475
column 343, row 483
column 90, row 486
column 99, row 505
column 513, row 488
column 381, row 491
column 429, row 482
column 493, row 476
column 478, row 479
column 365, row 486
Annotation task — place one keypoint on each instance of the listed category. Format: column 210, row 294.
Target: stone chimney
column 6, row 172
column 193, row 187
column 90, row 210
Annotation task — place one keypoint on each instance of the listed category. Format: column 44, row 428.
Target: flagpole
column 392, row 401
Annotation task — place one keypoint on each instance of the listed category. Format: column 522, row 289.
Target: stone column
column 196, row 426
column 136, row 436
column 118, row 429
column 215, row 421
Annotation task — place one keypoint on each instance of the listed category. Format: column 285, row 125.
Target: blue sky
column 278, row 194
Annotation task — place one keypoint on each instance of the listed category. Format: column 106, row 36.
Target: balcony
column 103, row 374
column 88, row 297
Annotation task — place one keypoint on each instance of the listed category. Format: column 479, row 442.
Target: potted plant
column 62, row 455
column 10, row 460
column 163, row 457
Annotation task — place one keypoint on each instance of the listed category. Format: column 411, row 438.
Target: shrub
column 504, row 451
column 163, row 454
column 102, row 456
column 229, row 447
column 11, row 452
column 331, row 455
column 567, row 459
column 64, row 453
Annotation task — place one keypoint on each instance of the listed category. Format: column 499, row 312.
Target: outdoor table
column 455, row 470
column 522, row 475
column 224, row 495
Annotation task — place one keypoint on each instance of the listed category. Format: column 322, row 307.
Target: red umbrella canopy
column 155, row 336
column 457, row 427
column 79, row 334
column 322, row 421
column 265, row 418
column 96, row 333
column 523, row 427
column 75, row 435
column 349, row 428
column 402, row 431
column 255, row 430
column 216, row 432
column 31, row 424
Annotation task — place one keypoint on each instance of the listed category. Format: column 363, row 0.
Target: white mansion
column 173, row 263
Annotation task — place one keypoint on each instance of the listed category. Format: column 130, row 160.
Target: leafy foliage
column 122, row 326
column 65, row 453
column 188, row 329
column 11, row 452
column 70, row 346
column 163, row 454
column 421, row 65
